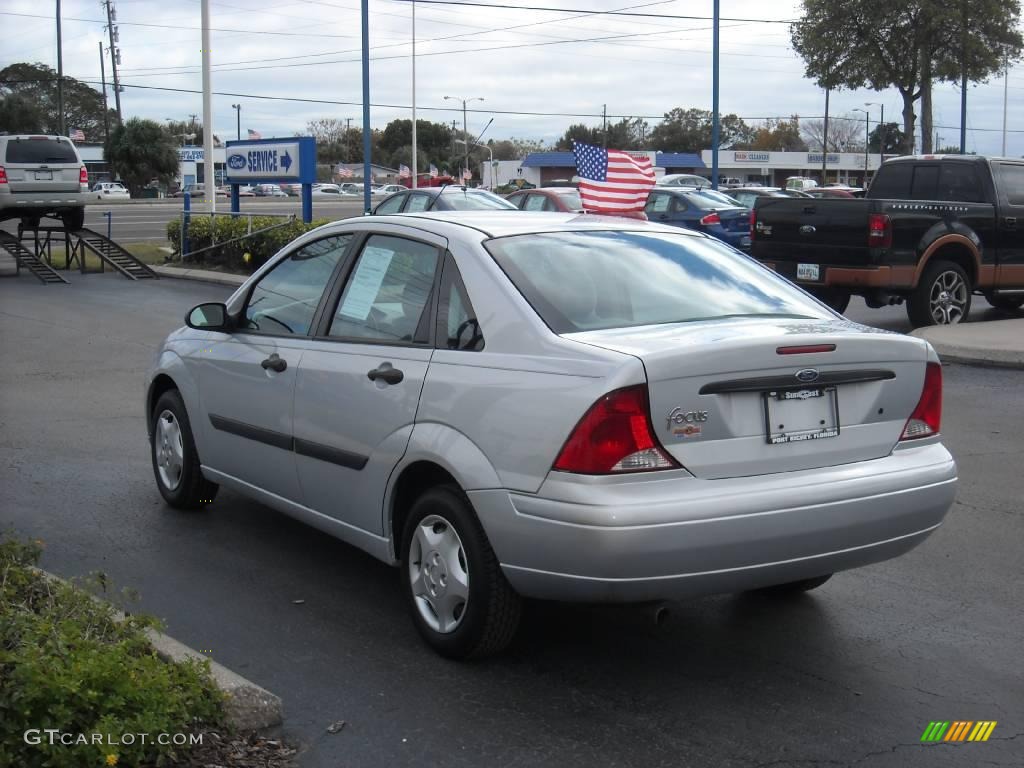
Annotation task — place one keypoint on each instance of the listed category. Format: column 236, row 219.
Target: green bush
column 231, row 255
column 67, row 664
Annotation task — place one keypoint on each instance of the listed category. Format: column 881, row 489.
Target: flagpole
column 414, row 165
column 365, row 24
column 715, row 126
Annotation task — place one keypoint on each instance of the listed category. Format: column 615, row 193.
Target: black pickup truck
column 933, row 230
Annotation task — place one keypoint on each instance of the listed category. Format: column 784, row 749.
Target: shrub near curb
column 231, row 255
column 66, row 663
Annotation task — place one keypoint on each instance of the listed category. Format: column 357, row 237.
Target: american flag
column 76, row 134
column 255, row 134
column 345, row 173
column 612, row 181
column 404, row 172
column 433, row 171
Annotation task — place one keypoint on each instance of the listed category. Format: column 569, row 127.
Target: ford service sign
column 236, row 162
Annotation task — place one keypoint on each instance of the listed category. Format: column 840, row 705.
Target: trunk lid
column 735, row 219
column 42, row 164
column 830, row 231
column 726, row 403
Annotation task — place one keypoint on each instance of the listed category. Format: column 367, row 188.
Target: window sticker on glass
column 366, row 282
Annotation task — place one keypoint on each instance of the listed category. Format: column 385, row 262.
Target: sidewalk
column 205, row 275
column 995, row 342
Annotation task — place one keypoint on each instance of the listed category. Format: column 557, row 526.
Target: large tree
column 140, row 151
column 36, row 85
column 689, row 130
column 778, row 136
column 845, row 134
column 893, row 138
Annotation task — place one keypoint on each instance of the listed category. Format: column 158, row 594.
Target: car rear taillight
column 615, row 436
column 926, row 418
column 879, row 231
column 83, row 176
column 753, row 223
column 711, row 218
column 3, row 175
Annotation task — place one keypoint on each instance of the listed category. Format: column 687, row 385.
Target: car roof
column 504, row 223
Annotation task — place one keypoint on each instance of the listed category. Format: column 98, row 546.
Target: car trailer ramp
column 28, row 260
column 113, row 254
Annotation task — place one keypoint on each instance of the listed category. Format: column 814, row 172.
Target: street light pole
column 465, row 130
column 867, row 130
column 415, row 170
column 238, row 120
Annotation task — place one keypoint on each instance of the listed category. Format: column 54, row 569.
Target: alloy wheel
column 948, row 298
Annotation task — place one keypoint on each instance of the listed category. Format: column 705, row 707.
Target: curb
column 973, row 357
column 992, row 344
column 248, row 707
column 204, row 275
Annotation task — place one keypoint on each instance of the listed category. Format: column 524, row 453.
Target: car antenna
column 439, row 191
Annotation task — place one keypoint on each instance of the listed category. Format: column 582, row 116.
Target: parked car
column 110, row 190
column 270, row 190
column 564, row 199
column 42, row 176
column 746, row 196
column 326, row 190
column 800, row 183
column 830, row 192
column 683, row 180
column 554, row 406
column 247, row 191
column 192, row 190
column 688, row 208
column 348, row 188
column 932, row 231
column 292, row 190
column 442, row 199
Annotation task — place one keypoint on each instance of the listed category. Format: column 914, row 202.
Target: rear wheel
column 942, row 297
column 460, row 601
column 836, row 298
column 175, row 460
column 1005, row 303
column 796, row 587
column 74, row 219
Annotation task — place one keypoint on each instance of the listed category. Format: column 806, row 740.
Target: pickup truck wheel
column 1005, row 303
column 836, row 298
column 942, row 297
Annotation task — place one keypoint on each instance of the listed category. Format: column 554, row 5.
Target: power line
column 594, row 12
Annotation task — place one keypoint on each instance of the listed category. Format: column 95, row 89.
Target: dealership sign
column 271, row 160
column 751, row 157
column 190, row 155
column 816, row 158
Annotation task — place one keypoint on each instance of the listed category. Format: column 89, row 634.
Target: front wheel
column 942, row 297
column 460, row 601
column 175, row 459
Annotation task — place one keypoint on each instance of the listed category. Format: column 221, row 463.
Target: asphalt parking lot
column 848, row 675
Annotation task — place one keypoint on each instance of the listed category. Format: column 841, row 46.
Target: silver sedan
column 509, row 404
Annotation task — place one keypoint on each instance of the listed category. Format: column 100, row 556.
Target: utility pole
column 1006, row 85
column 604, row 126
column 364, row 8
column 824, row 142
column 715, row 124
column 415, row 170
column 963, row 80
column 210, row 167
column 60, row 78
column 465, row 129
column 106, row 110
column 238, row 120
column 348, row 151
column 115, row 57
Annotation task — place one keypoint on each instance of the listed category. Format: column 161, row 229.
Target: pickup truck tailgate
column 806, row 230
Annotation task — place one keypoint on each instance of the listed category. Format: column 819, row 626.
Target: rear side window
column 42, row 151
column 926, row 178
column 457, row 325
column 581, row 281
column 892, row 182
column 958, row 181
column 1011, row 179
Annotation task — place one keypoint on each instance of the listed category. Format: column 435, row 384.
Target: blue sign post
column 271, row 161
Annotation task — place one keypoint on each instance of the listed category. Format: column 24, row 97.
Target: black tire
column 795, row 587
column 74, row 219
column 1005, row 303
column 490, row 614
column 926, row 304
column 836, row 298
column 192, row 490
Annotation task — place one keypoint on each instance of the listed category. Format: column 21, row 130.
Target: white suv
column 42, row 176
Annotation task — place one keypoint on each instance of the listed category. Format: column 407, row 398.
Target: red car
column 563, row 199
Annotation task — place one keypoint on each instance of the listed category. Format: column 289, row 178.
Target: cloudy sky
column 561, row 66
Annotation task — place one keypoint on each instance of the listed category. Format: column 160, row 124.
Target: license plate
column 807, row 272
column 44, row 175
column 795, row 415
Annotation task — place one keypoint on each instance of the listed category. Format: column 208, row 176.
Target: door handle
column 274, row 363
column 1010, row 221
column 389, row 375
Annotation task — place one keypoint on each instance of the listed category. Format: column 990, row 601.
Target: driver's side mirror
column 209, row 317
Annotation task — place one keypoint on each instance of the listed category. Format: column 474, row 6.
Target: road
column 848, row 675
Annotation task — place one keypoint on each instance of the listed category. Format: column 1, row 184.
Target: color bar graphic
column 958, row 730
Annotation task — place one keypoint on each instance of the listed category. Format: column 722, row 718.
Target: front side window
column 580, row 281
column 1011, row 179
column 285, row 299
column 386, row 296
column 391, row 205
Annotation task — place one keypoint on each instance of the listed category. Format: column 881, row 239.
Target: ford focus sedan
column 509, row 405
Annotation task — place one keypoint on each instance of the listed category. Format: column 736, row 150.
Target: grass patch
column 147, row 253
column 68, row 663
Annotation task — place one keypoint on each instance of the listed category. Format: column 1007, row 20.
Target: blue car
column 693, row 209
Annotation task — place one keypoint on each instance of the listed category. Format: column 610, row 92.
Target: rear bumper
column 591, row 539
column 866, row 278
column 14, row 204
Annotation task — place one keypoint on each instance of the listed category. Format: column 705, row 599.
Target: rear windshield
column 41, row 151
column 582, row 281
column 464, row 200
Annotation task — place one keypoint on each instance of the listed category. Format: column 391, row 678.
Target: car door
column 247, row 377
column 359, row 381
column 1010, row 209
